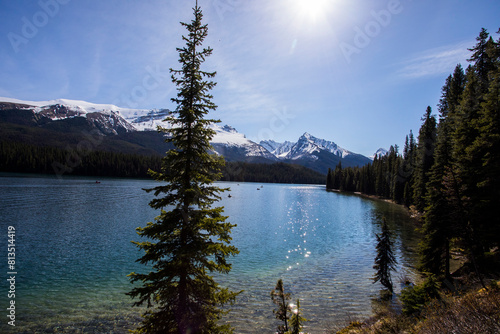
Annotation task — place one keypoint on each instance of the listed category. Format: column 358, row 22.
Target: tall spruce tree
column 385, row 261
column 483, row 58
column 424, row 158
column 463, row 177
column 454, row 94
column 439, row 217
column 380, row 175
column 192, row 240
column 408, row 167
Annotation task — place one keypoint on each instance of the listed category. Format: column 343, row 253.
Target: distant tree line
column 16, row 157
column 451, row 173
column 271, row 173
column 389, row 176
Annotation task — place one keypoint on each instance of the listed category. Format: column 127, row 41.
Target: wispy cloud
column 247, row 94
column 435, row 61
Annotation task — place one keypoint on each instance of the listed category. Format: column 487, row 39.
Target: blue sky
column 357, row 72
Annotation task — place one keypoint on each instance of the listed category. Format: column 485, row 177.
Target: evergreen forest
column 450, row 174
column 17, row 157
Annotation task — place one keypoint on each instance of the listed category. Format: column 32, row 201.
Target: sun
column 311, row 9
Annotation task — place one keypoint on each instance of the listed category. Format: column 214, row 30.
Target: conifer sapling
column 280, row 298
column 385, row 260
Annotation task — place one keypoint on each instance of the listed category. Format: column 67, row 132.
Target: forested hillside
column 271, row 173
column 451, row 172
column 27, row 158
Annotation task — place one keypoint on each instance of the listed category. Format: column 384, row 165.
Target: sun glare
column 311, row 9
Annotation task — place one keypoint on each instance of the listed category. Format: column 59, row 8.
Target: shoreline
column 411, row 211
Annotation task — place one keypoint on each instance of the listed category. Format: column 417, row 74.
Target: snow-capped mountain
column 76, row 108
column 227, row 141
column 304, row 148
column 138, row 126
column 279, row 150
column 315, row 153
column 105, row 118
column 380, row 152
column 109, row 119
column 307, row 147
column 234, row 146
column 150, row 121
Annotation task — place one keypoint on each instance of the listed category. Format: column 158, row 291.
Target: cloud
column 435, row 61
column 244, row 92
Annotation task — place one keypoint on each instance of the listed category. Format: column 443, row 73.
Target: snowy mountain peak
column 306, row 146
column 235, row 146
column 279, row 150
column 229, row 128
column 380, row 152
column 307, row 135
column 228, row 135
column 326, row 145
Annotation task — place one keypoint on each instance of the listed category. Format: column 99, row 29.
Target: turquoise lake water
column 74, row 252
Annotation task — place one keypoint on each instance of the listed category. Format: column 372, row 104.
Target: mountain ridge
column 309, row 149
column 127, row 124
